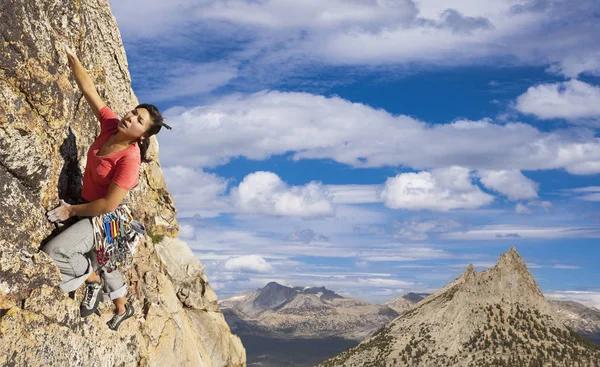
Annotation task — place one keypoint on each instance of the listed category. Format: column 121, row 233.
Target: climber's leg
column 116, row 289
column 67, row 250
column 120, row 304
column 114, row 285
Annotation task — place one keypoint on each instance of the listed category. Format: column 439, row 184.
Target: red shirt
column 122, row 167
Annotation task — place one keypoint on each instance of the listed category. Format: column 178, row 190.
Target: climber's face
column 135, row 123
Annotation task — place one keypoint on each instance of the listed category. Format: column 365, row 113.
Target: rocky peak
column 405, row 301
column 272, row 295
column 415, row 297
column 512, row 261
column 495, row 317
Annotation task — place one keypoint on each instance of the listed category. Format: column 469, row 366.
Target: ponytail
column 157, row 124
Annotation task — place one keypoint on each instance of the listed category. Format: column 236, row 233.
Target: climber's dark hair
column 157, row 124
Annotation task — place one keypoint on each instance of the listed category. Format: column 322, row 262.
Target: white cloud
column 361, row 264
column 355, row 194
column 588, row 298
column 573, row 65
column 519, row 232
column 380, row 282
column 306, row 235
column 397, row 252
column 313, row 14
column 187, row 232
column 188, row 79
column 561, row 266
column 414, row 229
column 589, row 193
column 528, row 208
column 585, row 189
column 161, row 18
column 264, row 124
column 522, row 209
column 248, row 263
column 421, row 32
column 573, row 100
column 511, row 183
column 265, row 192
column 441, row 189
column 196, row 192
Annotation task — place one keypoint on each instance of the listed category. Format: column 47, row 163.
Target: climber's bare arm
column 113, row 198
column 98, row 207
column 84, row 82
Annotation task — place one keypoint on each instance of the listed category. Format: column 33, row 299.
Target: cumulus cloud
column 248, row 263
column 572, row 100
column 573, row 65
column 264, row 124
column 453, row 32
column 265, row 192
column 196, row 191
column 441, row 189
column 511, row 183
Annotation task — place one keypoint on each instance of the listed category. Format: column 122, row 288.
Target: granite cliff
column 46, row 128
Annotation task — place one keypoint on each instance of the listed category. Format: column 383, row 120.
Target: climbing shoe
column 116, row 320
column 91, row 300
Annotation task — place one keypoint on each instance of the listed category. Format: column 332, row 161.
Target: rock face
column 498, row 317
column 46, row 128
column 316, row 312
column 585, row 320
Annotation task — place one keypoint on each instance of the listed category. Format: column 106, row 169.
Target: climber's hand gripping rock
column 62, row 213
column 70, row 53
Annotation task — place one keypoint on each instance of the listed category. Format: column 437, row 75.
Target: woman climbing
column 112, row 169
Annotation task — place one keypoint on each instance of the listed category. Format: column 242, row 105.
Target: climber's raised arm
column 84, row 82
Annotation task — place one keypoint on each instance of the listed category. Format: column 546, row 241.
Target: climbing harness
column 116, row 236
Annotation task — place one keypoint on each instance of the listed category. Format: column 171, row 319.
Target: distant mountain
column 585, row 320
column 277, row 310
column 498, row 317
column 405, row 301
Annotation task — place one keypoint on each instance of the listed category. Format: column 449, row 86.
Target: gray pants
column 74, row 254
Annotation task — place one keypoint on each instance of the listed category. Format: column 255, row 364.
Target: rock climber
column 112, row 169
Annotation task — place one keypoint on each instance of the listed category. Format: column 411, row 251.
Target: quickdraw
column 116, row 236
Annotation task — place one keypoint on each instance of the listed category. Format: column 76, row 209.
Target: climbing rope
column 116, row 236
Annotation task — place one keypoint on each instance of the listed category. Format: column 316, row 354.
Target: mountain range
column 278, row 310
column 498, row 317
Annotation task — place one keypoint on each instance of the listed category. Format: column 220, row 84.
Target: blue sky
column 377, row 147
